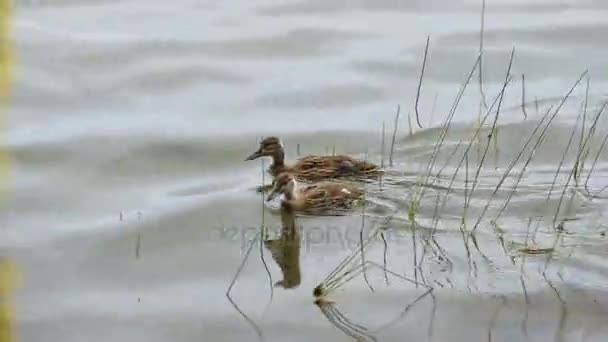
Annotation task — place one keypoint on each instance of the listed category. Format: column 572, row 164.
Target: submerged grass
column 263, row 237
column 422, row 183
column 595, row 160
column 483, row 157
column 584, row 152
column 536, row 145
column 514, row 162
column 362, row 250
column 347, row 272
column 464, row 159
column 356, row 264
column 250, row 321
column 430, row 173
column 343, row 323
column 347, row 269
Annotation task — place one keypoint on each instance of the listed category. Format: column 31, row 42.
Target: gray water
column 130, row 207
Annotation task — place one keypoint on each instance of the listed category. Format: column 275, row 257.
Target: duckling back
column 329, row 198
column 313, row 168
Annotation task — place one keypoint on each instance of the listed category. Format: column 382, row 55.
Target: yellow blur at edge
column 8, row 270
column 6, row 75
column 8, row 283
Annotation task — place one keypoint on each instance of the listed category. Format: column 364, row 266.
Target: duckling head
column 269, row 147
column 285, row 184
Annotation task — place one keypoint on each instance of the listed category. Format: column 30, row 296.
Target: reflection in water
column 524, row 322
column 503, row 302
column 286, row 253
column 232, row 302
column 563, row 311
column 362, row 333
column 286, row 250
column 337, row 318
column 407, row 309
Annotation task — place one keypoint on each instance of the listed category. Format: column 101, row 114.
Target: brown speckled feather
column 326, row 198
column 313, row 168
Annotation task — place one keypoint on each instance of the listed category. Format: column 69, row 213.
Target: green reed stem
column 426, row 50
column 541, row 138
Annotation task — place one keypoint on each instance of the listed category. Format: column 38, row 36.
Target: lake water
column 130, row 207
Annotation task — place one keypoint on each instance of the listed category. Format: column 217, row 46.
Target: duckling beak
column 254, row 155
column 272, row 195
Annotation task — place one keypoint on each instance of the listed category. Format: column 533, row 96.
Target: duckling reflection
column 286, row 249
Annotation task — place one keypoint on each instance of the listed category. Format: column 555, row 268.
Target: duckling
column 323, row 198
column 312, row 168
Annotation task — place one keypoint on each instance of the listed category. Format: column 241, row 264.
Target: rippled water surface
column 130, row 206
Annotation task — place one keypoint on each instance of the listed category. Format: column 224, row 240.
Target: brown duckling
column 323, row 198
column 312, row 168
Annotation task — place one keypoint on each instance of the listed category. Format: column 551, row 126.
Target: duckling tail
column 368, row 168
column 357, row 168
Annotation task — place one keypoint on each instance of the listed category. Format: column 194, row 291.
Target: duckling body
column 323, row 198
column 313, row 168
